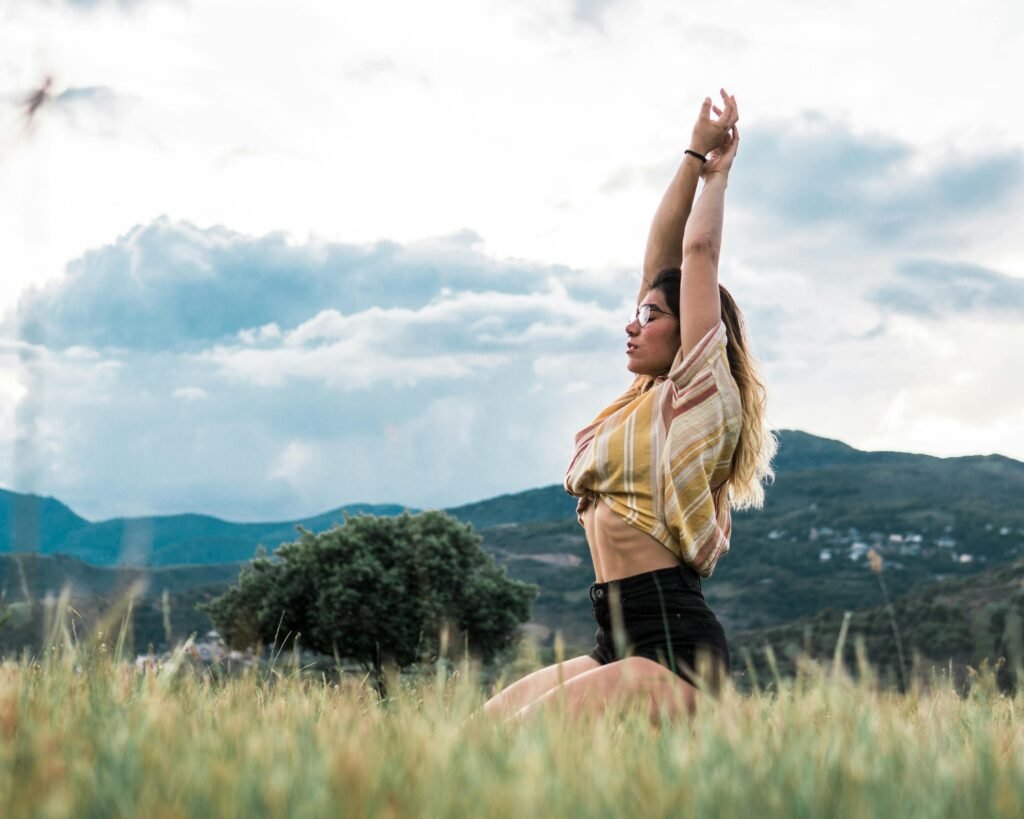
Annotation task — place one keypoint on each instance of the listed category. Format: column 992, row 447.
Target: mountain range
column 931, row 519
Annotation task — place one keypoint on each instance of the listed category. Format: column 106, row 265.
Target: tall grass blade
column 837, row 656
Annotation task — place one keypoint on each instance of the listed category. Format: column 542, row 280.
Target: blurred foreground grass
column 83, row 734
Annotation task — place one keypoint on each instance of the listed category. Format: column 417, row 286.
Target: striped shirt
column 660, row 454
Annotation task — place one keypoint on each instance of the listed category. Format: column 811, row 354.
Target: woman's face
column 651, row 349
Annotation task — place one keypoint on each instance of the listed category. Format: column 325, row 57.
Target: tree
column 376, row 589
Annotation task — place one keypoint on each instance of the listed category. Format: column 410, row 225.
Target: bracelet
column 701, row 157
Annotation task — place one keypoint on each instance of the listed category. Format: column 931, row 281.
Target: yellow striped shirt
column 660, row 454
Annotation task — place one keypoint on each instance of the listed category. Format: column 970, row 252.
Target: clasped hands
column 717, row 139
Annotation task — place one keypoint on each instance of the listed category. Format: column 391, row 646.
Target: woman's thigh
column 678, row 626
column 532, row 686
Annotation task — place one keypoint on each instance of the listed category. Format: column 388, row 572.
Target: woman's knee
column 557, row 673
column 540, row 682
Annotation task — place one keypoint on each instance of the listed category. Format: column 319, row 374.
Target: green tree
column 377, row 589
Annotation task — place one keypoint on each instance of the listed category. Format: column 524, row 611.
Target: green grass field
column 83, row 734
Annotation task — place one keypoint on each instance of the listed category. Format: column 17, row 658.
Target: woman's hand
column 710, row 134
column 720, row 159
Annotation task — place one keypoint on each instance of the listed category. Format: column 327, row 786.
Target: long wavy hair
column 757, row 445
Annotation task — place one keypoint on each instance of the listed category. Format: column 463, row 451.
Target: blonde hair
column 757, row 445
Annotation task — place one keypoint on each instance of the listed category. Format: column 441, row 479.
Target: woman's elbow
column 701, row 245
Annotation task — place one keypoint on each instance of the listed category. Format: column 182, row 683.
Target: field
column 84, row 734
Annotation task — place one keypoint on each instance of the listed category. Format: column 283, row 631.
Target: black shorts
column 665, row 619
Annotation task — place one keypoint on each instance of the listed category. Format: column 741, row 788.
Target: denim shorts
column 665, row 619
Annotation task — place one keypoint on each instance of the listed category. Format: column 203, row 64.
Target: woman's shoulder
column 701, row 386
column 690, row 363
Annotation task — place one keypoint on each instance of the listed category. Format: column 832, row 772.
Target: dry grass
column 85, row 735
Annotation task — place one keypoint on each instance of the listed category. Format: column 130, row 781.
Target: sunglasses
column 643, row 313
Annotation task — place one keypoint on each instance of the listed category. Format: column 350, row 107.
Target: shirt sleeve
column 702, row 437
column 684, row 369
column 700, row 521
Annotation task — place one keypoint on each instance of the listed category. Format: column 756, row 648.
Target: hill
column 159, row 540
column 30, row 523
column 962, row 621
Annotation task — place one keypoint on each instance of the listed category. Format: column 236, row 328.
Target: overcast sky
column 260, row 260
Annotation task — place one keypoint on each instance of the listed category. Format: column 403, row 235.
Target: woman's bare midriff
column 618, row 549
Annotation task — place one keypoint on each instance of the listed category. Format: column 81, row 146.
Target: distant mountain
column 805, row 451
column 30, row 523
column 161, row 540
column 531, row 506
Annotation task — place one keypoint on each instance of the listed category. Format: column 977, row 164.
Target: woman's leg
column 516, row 696
column 593, row 691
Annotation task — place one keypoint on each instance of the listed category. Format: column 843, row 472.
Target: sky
column 262, row 260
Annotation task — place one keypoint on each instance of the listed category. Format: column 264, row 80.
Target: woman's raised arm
column 665, row 239
column 700, row 304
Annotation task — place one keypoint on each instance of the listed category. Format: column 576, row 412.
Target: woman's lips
column 630, row 348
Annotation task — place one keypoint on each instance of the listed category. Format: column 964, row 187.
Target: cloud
column 453, row 337
column 214, row 372
column 818, row 171
column 717, row 37
column 93, row 109
column 98, row 95
column 173, row 285
column 174, row 432
column 190, row 393
column 372, row 68
column 93, row 5
column 817, row 174
column 934, row 289
column 591, row 12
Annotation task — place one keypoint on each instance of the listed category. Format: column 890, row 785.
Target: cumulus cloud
column 173, row 285
column 173, row 432
column 818, row 171
column 454, row 336
column 935, row 289
column 249, row 376
column 817, row 174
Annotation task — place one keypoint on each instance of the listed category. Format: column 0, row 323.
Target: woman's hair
column 757, row 445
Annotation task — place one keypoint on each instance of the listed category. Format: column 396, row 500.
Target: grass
column 84, row 734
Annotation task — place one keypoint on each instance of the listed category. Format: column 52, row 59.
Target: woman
column 658, row 470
